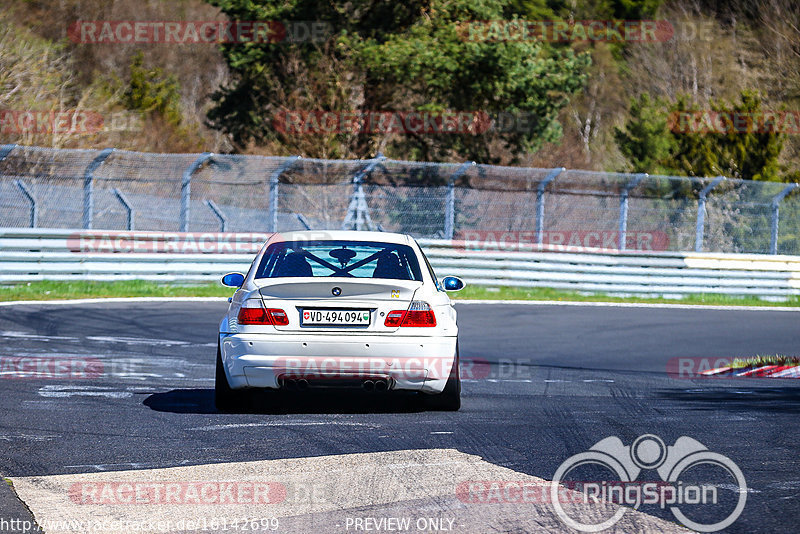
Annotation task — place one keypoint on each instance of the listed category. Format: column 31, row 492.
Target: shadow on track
column 738, row 399
column 201, row 401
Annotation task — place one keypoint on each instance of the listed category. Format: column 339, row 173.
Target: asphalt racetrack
column 544, row 382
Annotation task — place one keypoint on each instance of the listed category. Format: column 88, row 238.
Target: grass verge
column 139, row 288
column 516, row 293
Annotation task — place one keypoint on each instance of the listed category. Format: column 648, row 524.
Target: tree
column 645, row 140
column 750, row 152
column 387, row 56
column 701, row 142
column 151, row 91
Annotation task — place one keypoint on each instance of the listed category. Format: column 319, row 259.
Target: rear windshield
column 355, row 259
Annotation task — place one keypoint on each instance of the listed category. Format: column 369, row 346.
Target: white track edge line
column 112, row 300
column 629, row 305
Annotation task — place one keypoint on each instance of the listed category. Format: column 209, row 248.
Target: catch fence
column 493, row 207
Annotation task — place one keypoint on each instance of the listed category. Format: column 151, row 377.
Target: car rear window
column 352, row 259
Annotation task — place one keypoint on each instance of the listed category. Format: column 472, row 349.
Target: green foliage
column 650, row 146
column 609, row 9
column 645, row 140
column 399, row 57
column 151, row 91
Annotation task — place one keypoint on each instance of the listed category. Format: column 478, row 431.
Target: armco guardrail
column 28, row 255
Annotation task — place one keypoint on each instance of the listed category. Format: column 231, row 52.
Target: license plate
column 335, row 317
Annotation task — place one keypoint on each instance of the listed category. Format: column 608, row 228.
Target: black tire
column 225, row 398
column 449, row 400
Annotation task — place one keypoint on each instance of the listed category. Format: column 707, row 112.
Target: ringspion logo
column 677, row 466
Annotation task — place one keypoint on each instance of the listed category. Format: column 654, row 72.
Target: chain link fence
column 509, row 206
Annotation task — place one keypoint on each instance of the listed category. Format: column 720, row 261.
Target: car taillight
column 279, row 317
column 394, row 318
column 259, row 315
column 419, row 314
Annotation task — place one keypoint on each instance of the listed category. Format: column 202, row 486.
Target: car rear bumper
column 405, row 363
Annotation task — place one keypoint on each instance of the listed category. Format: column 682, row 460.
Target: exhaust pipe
column 381, row 385
column 288, row 383
column 368, row 385
column 302, row 384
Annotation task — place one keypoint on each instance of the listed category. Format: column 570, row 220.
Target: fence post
column 701, row 213
column 552, row 175
column 358, row 207
column 623, row 208
column 88, row 186
column 776, row 201
column 127, row 206
column 450, row 213
column 186, row 188
column 223, row 221
column 25, row 191
column 274, row 180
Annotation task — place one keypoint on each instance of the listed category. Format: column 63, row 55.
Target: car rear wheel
column 449, row 400
column 225, row 398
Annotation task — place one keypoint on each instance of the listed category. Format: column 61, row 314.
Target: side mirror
column 453, row 283
column 233, row 280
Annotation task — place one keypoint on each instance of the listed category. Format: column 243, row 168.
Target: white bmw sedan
column 339, row 309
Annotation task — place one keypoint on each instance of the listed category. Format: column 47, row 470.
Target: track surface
column 562, row 379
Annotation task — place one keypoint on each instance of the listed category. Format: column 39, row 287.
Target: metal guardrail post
column 358, row 208
column 623, row 208
column 701, row 213
column 88, row 186
column 450, row 213
column 186, row 188
column 223, row 220
column 5, row 150
column 274, row 181
column 776, row 201
column 552, row 175
column 127, row 205
column 25, row 191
